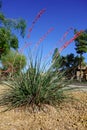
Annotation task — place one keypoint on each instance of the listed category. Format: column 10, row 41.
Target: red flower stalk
column 8, row 70
column 25, row 46
column 60, row 41
column 38, row 16
column 28, row 36
column 48, row 55
column 71, row 40
column 35, row 20
column 43, row 37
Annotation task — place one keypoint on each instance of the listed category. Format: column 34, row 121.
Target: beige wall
column 83, row 73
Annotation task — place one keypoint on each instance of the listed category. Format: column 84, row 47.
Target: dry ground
column 71, row 115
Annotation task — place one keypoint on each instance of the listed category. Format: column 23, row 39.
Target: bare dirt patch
column 70, row 115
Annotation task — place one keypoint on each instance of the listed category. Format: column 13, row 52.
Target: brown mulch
column 70, row 115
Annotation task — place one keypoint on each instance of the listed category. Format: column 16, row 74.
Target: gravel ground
column 70, row 115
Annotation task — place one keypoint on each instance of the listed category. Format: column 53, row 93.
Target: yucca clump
column 38, row 85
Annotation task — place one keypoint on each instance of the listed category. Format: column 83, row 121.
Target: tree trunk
column 80, row 77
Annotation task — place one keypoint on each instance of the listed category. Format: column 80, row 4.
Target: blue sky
column 60, row 14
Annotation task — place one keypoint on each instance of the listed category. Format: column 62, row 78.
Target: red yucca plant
column 39, row 84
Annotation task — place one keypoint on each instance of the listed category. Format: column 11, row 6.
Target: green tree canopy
column 81, row 42
column 16, row 24
column 7, row 41
column 70, row 63
column 81, row 46
column 8, row 37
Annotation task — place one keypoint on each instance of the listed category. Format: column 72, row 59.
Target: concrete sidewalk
column 79, row 87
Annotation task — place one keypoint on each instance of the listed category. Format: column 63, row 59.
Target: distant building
column 83, row 73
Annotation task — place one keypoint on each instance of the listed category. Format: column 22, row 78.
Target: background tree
column 81, row 46
column 9, row 39
column 70, row 64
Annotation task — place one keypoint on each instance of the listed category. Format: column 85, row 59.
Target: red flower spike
column 60, row 41
column 43, row 37
column 71, row 40
column 26, row 45
column 36, row 18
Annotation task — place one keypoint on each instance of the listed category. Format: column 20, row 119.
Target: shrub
column 13, row 62
column 39, row 85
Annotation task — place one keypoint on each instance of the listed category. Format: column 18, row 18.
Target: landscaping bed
column 70, row 115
